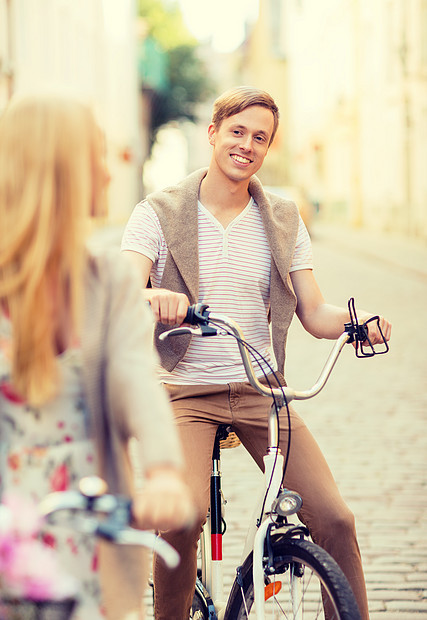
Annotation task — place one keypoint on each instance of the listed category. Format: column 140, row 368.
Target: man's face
column 241, row 142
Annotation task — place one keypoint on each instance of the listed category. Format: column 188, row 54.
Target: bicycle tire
column 320, row 575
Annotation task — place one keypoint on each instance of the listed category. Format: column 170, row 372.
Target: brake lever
column 200, row 330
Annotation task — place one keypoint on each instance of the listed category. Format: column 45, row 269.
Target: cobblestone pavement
column 370, row 420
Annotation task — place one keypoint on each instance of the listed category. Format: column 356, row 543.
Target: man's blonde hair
column 238, row 99
column 50, row 181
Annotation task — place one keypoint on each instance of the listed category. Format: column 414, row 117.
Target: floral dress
column 48, row 449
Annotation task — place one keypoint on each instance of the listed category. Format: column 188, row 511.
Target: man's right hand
column 168, row 307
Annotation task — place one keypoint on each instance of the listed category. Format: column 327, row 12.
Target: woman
column 77, row 372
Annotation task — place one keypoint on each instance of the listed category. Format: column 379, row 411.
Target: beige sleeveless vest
column 176, row 208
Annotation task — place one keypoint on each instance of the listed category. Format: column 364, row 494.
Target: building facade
column 351, row 83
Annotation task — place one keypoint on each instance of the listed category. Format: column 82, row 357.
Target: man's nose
column 246, row 143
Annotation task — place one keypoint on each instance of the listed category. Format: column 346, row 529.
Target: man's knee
column 338, row 523
column 343, row 522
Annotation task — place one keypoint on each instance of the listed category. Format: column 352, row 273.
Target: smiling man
column 219, row 238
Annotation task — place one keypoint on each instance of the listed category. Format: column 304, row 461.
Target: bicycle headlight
column 287, row 503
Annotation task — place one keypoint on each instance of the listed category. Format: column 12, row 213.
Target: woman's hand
column 165, row 502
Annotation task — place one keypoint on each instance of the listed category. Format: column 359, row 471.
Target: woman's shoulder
column 109, row 265
column 112, row 282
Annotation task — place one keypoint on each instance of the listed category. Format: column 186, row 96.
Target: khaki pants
column 198, row 411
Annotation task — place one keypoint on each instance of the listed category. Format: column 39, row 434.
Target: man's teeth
column 242, row 160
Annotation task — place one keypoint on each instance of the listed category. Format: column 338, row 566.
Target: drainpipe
column 356, row 214
column 407, row 123
column 8, row 70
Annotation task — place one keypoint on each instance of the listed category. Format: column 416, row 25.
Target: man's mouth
column 240, row 159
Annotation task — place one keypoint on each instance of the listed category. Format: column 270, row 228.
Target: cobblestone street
column 369, row 421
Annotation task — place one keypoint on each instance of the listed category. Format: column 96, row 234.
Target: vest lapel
column 281, row 228
column 177, row 210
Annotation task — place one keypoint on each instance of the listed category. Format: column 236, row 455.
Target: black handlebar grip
column 197, row 314
column 190, row 314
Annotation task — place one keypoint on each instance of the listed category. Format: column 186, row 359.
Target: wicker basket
column 231, row 441
column 22, row 609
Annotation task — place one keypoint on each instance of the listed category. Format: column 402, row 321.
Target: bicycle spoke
column 244, row 602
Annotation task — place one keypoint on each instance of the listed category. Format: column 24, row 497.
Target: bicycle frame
column 211, row 540
column 273, row 464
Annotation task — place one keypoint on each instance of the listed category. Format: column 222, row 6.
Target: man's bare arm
column 324, row 320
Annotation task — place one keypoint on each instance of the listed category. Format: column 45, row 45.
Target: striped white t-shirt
column 234, row 280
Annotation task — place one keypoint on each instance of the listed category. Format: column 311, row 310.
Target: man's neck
column 223, row 195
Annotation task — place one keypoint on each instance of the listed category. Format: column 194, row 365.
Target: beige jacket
column 125, row 400
column 176, row 208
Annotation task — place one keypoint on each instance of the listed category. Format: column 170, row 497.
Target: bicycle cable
column 258, row 357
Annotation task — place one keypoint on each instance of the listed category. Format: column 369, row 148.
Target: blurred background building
column 86, row 49
column 349, row 76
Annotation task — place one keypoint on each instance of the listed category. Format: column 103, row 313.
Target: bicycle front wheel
column 306, row 583
column 199, row 610
column 202, row 607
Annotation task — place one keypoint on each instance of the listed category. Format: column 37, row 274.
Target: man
column 218, row 238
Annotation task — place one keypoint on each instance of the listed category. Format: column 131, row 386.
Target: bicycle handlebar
column 207, row 323
column 105, row 516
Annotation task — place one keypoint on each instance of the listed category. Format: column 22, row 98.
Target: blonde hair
column 50, row 181
column 238, row 99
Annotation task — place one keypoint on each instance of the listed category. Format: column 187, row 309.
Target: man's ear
column 211, row 134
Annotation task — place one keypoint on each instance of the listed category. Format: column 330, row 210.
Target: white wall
column 86, row 47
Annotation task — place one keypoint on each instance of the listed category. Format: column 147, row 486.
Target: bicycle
column 95, row 513
column 283, row 573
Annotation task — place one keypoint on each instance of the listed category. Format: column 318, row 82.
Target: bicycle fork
column 273, row 463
